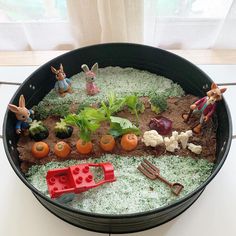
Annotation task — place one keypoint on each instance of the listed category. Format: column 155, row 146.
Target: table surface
column 212, row 214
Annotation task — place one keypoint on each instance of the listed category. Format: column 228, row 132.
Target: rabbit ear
column 53, row 70
column 214, row 86
column 13, row 108
column 222, row 90
column 85, row 68
column 22, row 101
column 95, row 68
column 61, row 67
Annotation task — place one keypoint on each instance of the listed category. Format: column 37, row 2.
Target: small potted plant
column 63, row 130
column 38, row 131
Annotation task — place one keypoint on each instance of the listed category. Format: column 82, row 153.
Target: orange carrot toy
column 129, row 142
column 107, row 143
column 84, row 147
column 40, row 149
column 62, row 149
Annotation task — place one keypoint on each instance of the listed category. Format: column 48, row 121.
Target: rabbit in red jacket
column 206, row 106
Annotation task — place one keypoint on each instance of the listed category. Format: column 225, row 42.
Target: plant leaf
column 112, row 105
column 120, row 126
column 132, row 101
column 92, row 114
column 72, row 119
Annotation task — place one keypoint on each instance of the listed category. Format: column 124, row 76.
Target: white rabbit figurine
column 22, row 115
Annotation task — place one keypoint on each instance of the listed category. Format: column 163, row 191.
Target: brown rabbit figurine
column 205, row 106
column 91, row 87
column 63, row 84
column 22, row 115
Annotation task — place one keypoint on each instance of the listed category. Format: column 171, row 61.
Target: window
column 191, row 8
column 33, row 11
column 183, row 24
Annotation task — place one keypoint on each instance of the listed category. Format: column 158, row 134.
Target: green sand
column 121, row 81
column 132, row 192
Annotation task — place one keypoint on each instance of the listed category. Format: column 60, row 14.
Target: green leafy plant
column 120, row 126
column 158, row 103
column 92, row 114
column 135, row 105
column 112, row 105
column 140, row 107
column 88, row 121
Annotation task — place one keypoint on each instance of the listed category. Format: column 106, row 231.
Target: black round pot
column 154, row 60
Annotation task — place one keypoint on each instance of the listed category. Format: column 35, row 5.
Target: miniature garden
column 123, row 116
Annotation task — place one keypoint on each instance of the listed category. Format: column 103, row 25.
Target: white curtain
column 169, row 24
column 106, row 21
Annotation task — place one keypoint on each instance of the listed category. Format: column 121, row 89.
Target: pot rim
column 130, row 215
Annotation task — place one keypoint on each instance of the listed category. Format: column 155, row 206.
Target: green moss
column 42, row 111
column 121, row 81
column 132, row 192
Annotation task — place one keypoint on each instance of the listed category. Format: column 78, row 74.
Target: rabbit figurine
column 205, row 106
column 91, row 87
column 63, row 84
column 22, row 115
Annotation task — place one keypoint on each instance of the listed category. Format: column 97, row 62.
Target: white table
column 212, row 214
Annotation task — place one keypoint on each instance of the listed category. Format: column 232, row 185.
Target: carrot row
column 62, row 150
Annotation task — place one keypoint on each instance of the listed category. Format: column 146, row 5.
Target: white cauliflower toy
column 184, row 137
column 152, row 138
column 197, row 149
column 172, row 142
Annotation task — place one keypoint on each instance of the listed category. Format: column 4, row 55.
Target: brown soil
column 176, row 106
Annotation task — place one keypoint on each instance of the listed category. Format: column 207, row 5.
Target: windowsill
column 35, row 58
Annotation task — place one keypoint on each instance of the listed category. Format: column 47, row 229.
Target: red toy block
column 76, row 179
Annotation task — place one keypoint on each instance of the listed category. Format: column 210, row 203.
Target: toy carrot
column 62, row 149
column 40, row 149
column 129, row 142
column 84, row 147
column 107, row 143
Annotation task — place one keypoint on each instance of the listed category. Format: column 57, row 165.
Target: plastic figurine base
column 76, row 179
